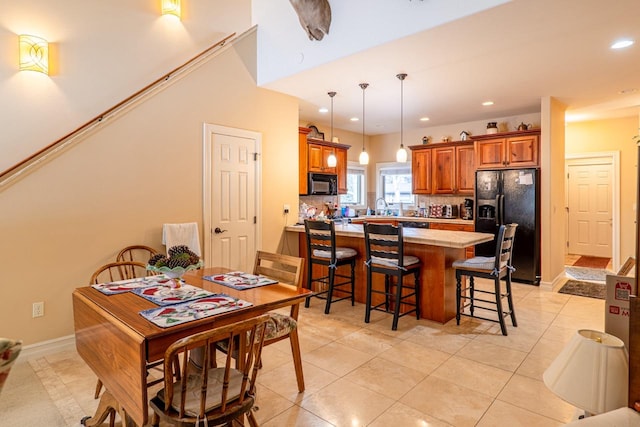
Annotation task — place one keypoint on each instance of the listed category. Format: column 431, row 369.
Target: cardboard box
column 616, row 319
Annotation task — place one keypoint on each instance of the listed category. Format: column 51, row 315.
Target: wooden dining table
column 117, row 342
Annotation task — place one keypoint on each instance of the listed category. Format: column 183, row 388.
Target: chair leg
column 396, row 308
column 155, row 420
column 353, row 281
column 367, row 308
column 297, row 358
column 510, row 301
column 332, row 280
column 458, row 295
column 503, row 326
column 387, row 287
column 252, row 419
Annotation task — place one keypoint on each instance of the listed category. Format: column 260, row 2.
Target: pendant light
column 332, row 161
column 401, row 155
column 364, row 157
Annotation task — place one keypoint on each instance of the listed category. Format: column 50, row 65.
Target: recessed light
column 323, row 110
column 354, row 119
column 424, row 119
column 487, row 103
column 621, row 44
column 628, row 91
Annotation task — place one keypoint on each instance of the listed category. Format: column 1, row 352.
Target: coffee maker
column 466, row 210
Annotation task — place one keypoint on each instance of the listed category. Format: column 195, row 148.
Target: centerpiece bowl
column 175, row 273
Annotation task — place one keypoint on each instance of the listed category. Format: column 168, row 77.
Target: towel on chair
column 182, row 234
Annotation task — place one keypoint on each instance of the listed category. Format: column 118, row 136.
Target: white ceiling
column 512, row 53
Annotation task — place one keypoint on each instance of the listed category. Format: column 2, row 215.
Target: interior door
column 230, row 197
column 589, row 197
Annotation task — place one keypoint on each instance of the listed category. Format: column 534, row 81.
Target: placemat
column 186, row 312
column 120, row 286
column 240, row 280
column 165, row 294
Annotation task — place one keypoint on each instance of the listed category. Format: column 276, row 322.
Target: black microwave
column 322, row 184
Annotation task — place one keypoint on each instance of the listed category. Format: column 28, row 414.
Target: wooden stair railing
column 42, row 155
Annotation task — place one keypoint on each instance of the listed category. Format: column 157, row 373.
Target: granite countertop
column 424, row 236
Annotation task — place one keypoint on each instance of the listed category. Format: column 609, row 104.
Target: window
column 394, row 182
column 356, row 186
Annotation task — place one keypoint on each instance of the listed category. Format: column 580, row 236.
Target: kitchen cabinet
column 312, row 157
column 443, row 168
column 421, row 171
column 507, row 150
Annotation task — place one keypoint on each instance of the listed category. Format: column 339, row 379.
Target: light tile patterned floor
column 357, row 374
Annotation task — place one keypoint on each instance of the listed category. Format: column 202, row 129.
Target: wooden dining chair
column 123, row 270
column 285, row 269
column 212, row 395
column 140, row 253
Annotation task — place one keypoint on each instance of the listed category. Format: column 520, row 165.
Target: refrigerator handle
column 498, row 213
column 502, row 209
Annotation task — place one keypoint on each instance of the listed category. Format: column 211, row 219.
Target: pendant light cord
column 363, row 86
column 331, row 94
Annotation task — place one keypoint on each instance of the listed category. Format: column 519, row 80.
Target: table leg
column 108, row 407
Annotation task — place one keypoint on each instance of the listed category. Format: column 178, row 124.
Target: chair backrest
column 384, row 244
column 211, row 389
column 504, row 245
column 138, row 253
column 321, row 236
column 121, row 270
column 9, row 351
column 283, row 268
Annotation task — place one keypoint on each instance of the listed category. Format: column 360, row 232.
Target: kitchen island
column 437, row 249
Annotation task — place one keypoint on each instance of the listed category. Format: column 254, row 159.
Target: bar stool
column 494, row 268
column 385, row 255
column 322, row 250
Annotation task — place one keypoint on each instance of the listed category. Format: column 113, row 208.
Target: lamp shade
column 591, row 372
column 34, row 54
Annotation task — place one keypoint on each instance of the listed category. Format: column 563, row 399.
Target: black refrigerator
column 511, row 196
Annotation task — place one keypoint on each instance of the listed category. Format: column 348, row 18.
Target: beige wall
column 613, row 135
column 119, row 185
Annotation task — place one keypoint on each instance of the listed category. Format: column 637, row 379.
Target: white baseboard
column 45, row 348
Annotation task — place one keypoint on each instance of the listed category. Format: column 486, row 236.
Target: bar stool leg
column 510, row 301
column 458, row 295
column 309, row 283
column 367, row 309
column 416, row 282
column 353, row 281
column 503, row 326
column 332, row 279
column 472, row 287
column 396, row 307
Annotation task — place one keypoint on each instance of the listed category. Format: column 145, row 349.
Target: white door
column 230, row 197
column 589, row 188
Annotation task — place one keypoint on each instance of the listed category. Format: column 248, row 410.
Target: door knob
column 218, row 231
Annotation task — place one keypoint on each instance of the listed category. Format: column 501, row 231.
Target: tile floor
column 357, row 374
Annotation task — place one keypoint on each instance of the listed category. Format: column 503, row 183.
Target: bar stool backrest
column 321, row 236
column 384, row 244
column 504, row 246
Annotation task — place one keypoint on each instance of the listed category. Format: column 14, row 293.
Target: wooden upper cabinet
column 465, row 169
column 444, row 170
column 507, row 150
column 421, row 171
column 318, row 155
column 341, row 170
column 312, row 157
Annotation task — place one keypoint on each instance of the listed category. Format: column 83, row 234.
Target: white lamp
column 171, row 7
column 401, row 154
column 332, row 160
column 364, row 156
column 591, row 372
column 34, row 54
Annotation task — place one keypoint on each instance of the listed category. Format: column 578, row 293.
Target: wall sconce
column 171, row 7
column 591, row 372
column 34, row 54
